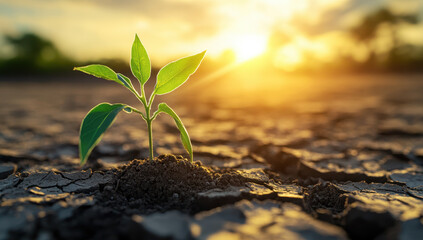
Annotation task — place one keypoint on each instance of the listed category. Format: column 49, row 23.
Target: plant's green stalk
column 139, row 112
column 150, row 138
column 150, row 101
column 134, row 92
column 142, row 100
column 147, row 107
column 155, row 115
column 150, row 132
column 142, row 91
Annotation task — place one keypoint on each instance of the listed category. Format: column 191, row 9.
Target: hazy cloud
column 169, row 28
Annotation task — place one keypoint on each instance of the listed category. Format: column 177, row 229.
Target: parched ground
column 328, row 158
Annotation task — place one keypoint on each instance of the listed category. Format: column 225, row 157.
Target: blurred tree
column 31, row 46
column 366, row 33
column 34, row 54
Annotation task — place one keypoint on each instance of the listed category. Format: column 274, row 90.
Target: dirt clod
column 325, row 196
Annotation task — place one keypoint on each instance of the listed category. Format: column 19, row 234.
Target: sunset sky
column 172, row 28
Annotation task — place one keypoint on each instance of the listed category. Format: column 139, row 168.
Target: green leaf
column 163, row 107
column 176, row 73
column 97, row 121
column 140, row 62
column 125, row 80
column 101, row 71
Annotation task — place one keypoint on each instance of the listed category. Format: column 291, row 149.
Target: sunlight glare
column 288, row 58
column 247, row 47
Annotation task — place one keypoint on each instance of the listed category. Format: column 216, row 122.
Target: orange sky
column 172, row 28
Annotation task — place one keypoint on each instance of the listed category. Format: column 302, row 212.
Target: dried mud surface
column 339, row 159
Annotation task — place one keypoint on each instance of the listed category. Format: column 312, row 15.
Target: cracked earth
column 340, row 159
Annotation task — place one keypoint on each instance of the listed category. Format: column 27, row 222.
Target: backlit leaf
column 176, row 73
column 163, row 107
column 140, row 62
column 125, row 80
column 97, row 121
column 102, row 71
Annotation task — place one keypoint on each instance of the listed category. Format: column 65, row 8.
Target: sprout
column 170, row 77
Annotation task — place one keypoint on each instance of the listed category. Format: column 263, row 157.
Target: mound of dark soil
column 325, row 196
column 168, row 182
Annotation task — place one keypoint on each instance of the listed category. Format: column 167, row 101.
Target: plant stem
column 150, row 131
column 148, row 120
column 150, row 137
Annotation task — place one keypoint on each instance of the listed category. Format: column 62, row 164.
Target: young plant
column 170, row 77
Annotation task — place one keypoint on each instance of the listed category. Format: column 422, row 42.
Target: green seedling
column 170, row 77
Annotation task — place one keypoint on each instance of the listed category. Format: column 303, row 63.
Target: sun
column 248, row 46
